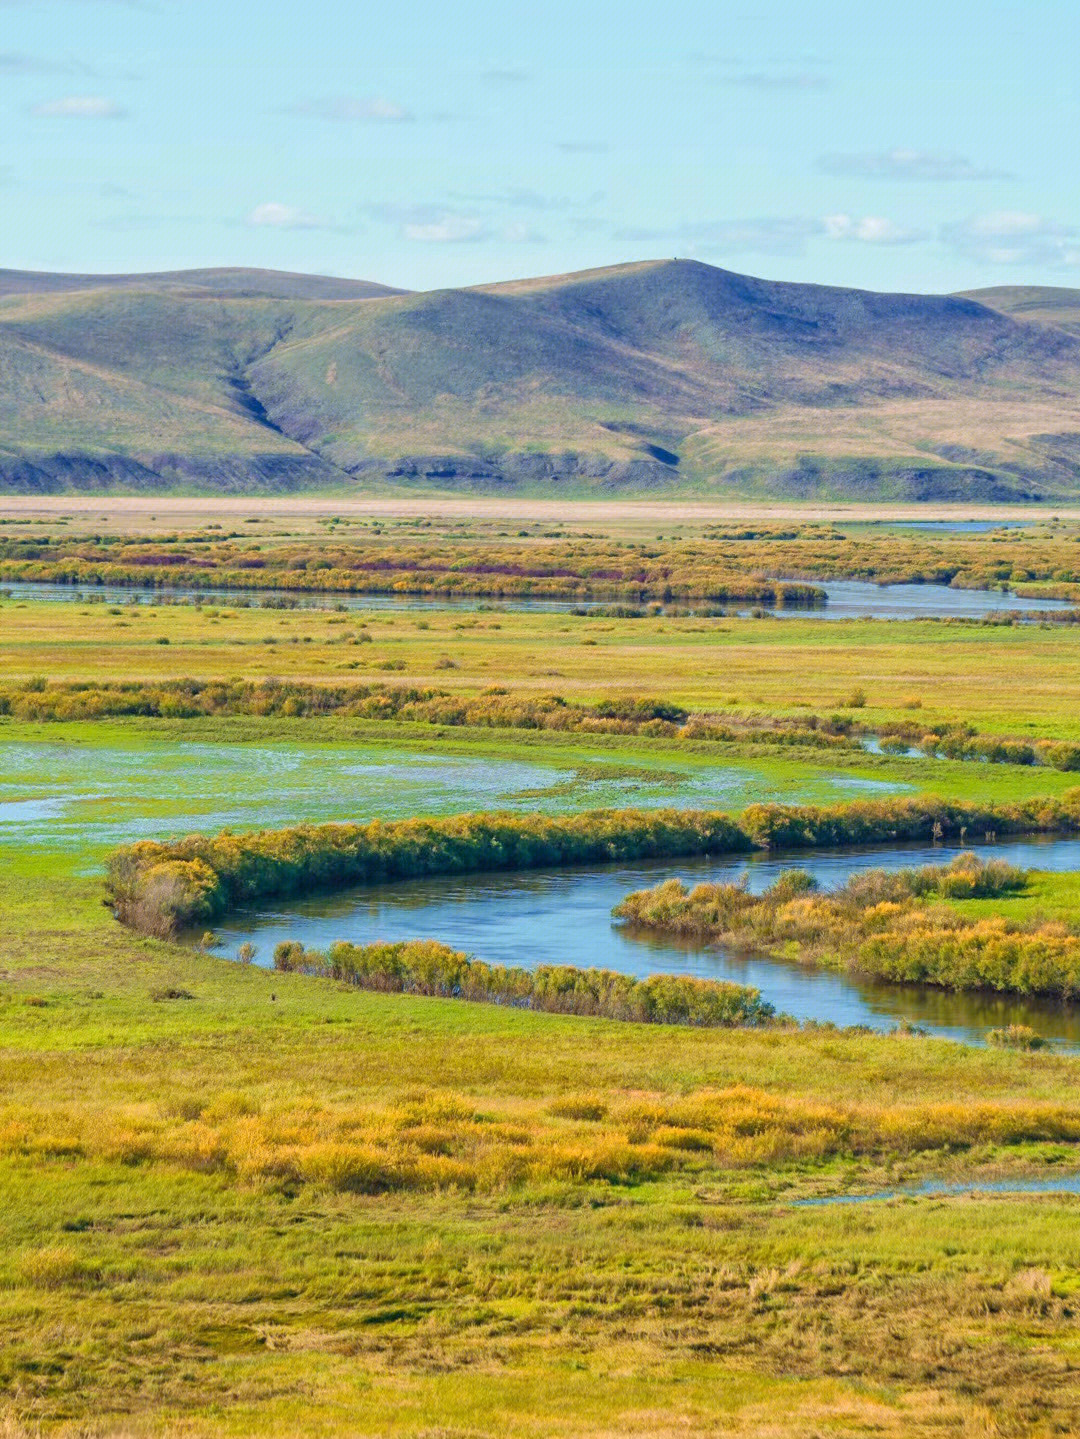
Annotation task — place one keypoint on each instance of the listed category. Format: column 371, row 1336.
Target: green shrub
column 428, row 968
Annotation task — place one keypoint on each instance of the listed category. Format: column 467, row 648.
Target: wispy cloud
column 17, row 62
column 434, row 223
column 350, row 108
column 79, row 107
column 872, row 230
column 439, row 224
column 776, row 72
column 506, row 75
column 523, row 199
column 12, row 62
column 519, row 234
column 765, row 235
column 581, row 147
column 274, row 215
column 777, row 79
column 903, row 164
column 775, row 234
column 446, row 229
column 1014, row 237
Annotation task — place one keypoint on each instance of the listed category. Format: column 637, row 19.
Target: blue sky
column 895, row 146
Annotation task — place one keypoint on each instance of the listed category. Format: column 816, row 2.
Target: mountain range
column 665, row 376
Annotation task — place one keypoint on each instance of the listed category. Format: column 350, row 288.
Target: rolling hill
column 667, row 375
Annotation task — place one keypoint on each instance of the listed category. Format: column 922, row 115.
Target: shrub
column 428, row 968
column 160, row 887
column 893, row 925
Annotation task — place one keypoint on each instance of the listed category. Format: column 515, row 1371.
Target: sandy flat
column 136, row 511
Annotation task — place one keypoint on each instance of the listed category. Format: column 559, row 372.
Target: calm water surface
column 847, row 599
column 564, row 917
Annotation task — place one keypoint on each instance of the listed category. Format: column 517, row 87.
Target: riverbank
column 184, row 1149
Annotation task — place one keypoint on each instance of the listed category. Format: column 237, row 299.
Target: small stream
column 943, row 1188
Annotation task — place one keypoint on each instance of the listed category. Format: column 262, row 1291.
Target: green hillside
column 665, row 375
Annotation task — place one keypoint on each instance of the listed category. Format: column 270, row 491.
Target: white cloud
column 83, row 107
column 871, row 230
column 446, row 229
column 434, row 223
column 522, row 235
column 905, row 164
column 345, row 108
column 1014, row 237
column 284, row 217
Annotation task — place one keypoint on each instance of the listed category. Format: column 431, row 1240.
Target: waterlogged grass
column 78, row 789
column 82, row 788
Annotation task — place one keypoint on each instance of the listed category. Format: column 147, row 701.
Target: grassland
column 942, row 672
column 241, row 1202
column 187, row 1244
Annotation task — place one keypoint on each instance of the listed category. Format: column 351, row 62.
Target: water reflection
column 846, row 599
column 564, row 917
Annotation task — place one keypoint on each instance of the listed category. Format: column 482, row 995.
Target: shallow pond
column 847, row 599
column 564, row 917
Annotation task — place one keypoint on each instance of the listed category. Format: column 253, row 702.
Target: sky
column 893, row 146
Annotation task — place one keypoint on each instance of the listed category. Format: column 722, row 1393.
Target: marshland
column 604, row 941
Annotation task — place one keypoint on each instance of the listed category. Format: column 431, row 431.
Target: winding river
column 564, row 917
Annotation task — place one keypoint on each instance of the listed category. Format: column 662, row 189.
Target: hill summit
column 662, row 376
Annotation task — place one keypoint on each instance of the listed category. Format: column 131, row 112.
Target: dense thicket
column 160, row 887
column 896, row 926
column 189, row 698
column 426, row 967
column 573, row 570
column 723, row 565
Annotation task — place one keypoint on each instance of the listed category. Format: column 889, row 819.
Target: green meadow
column 240, row 1201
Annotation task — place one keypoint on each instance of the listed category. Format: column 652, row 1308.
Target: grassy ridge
column 714, row 379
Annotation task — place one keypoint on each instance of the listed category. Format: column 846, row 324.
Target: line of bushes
column 903, row 927
column 496, row 708
column 429, row 968
column 569, row 571
column 158, row 887
column 711, row 566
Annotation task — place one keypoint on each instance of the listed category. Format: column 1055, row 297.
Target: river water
column 564, row 917
column 846, row 599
